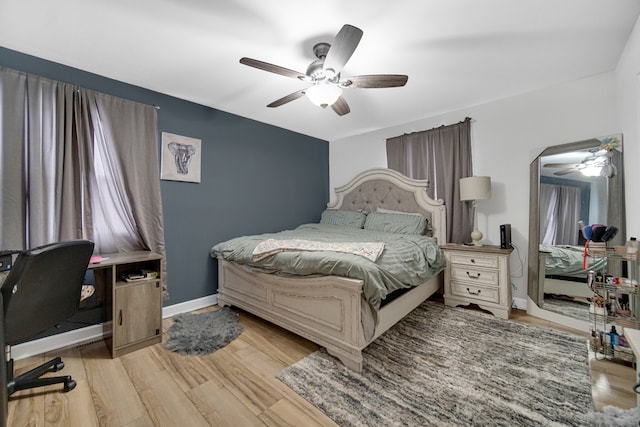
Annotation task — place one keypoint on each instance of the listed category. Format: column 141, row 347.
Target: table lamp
column 475, row 188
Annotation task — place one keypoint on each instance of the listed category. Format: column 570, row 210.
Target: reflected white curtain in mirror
column 559, row 214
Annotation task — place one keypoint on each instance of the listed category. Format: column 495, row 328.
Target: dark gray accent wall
column 256, row 178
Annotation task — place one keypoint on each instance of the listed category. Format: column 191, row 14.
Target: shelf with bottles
column 614, row 296
column 614, row 253
column 615, row 305
column 607, row 333
column 627, row 320
column 627, row 252
column 618, row 285
column 607, row 351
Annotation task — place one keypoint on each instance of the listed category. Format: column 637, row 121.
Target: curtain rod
column 441, row 126
column 157, row 107
column 74, row 87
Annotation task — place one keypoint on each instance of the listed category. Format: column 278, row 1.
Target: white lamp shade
column 475, row 188
column 323, row 94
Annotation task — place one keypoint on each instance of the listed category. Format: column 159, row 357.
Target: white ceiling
column 456, row 53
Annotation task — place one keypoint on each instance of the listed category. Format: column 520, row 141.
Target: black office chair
column 41, row 291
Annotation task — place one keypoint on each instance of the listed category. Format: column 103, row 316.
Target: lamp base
column 476, row 237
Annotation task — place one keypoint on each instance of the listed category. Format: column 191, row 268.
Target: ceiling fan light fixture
column 591, row 170
column 609, row 170
column 323, row 95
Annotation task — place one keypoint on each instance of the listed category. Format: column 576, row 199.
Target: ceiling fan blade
column 291, row 97
column 564, row 172
column 560, row 165
column 261, row 65
column 375, row 81
column 342, row 48
column 341, row 107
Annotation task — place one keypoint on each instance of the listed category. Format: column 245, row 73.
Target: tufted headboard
column 388, row 189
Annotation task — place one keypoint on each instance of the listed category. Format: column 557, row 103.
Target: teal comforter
column 565, row 260
column 406, row 261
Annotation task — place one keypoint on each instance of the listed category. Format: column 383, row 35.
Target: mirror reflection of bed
column 571, row 189
column 565, row 285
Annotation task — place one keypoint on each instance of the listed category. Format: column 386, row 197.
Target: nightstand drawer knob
column 473, row 260
column 477, row 275
column 474, row 293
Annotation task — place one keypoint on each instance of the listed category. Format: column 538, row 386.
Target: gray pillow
column 396, row 223
column 353, row 219
column 427, row 230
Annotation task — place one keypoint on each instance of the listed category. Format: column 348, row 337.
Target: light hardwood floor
column 235, row 386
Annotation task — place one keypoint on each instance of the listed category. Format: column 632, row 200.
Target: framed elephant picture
column 181, row 158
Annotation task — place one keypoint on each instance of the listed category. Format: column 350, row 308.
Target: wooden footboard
column 326, row 310
column 323, row 309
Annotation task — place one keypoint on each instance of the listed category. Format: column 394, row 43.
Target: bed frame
column 328, row 309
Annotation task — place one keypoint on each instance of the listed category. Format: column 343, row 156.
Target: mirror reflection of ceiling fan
column 591, row 165
column 324, row 73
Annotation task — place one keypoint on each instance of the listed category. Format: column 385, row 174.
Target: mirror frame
column 616, row 209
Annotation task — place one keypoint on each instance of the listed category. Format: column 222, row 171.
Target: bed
column 564, row 271
column 334, row 311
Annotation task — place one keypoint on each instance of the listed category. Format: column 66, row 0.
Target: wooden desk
column 133, row 308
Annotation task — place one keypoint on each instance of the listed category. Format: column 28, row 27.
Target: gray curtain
column 77, row 164
column 441, row 155
column 559, row 214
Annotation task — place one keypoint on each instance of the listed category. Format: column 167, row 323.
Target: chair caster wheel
column 58, row 367
column 69, row 385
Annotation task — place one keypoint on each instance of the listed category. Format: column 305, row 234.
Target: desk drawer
column 475, row 276
column 474, row 260
column 477, row 292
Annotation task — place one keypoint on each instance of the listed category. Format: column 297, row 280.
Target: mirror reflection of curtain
column 559, row 214
column 442, row 156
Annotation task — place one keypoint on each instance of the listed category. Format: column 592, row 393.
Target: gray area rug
column 612, row 416
column 203, row 333
column 443, row 366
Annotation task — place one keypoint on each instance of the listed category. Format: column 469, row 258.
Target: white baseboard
column 96, row 332
column 187, row 306
column 55, row 342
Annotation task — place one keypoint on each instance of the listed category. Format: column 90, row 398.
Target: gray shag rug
column 616, row 417
column 443, row 366
column 203, row 333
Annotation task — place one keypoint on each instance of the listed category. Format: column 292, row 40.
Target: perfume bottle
column 615, row 338
column 632, row 248
column 595, row 342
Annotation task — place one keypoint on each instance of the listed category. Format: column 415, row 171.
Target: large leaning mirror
column 579, row 182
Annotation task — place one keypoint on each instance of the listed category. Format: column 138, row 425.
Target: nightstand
column 478, row 275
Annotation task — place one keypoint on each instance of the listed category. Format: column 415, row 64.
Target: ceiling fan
column 324, row 73
column 591, row 165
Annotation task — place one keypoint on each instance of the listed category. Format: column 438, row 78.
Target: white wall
column 506, row 135
column 628, row 98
